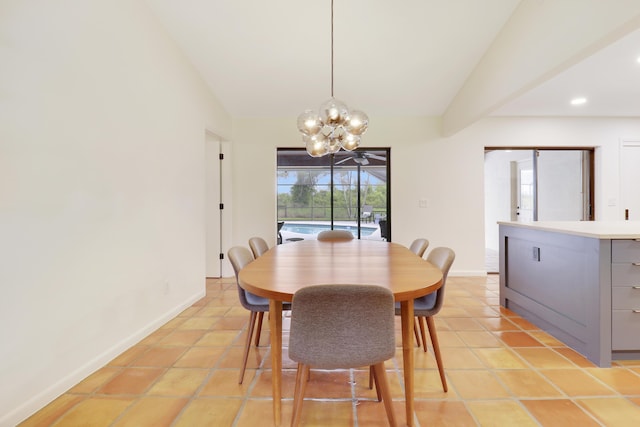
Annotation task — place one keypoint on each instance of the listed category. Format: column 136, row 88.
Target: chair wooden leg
column 436, row 350
column 302, row 376
column 247, row 346
column 383, row 385
column 259, row 328
column 373, row 378
column 420, row 321
column 415, row 331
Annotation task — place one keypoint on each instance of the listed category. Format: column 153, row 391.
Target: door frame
column 490, row 215
column 331, row 165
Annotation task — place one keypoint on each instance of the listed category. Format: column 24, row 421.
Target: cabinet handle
column 636, row 263
column 635, row 287
column 636, row 311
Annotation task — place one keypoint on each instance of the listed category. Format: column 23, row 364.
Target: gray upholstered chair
column 429, row 305
column 239, row 257
column 419, row 246
column 342, row 326
column 334, row 235
column 258, row 246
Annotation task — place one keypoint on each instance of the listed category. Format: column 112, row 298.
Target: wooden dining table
column 286, row 268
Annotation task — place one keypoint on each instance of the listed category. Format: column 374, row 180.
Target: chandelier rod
column 331, row 48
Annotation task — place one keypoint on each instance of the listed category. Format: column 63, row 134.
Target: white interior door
column 525, row 191
column 630, row 180
column 212, row 205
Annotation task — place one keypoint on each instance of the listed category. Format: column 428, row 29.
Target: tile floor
column 502, row 371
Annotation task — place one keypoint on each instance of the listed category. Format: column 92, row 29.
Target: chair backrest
column 442, row 258
column 366, row 211
column 327, row 235
column 239, row 256
column 342, row 326
column 258, row 246
column 383, row 229
column 419, row 246
column 280, row 225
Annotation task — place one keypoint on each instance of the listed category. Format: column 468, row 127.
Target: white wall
column 448, row 172
column 102, row 130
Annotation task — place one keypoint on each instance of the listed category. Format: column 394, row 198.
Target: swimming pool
column 308, row 230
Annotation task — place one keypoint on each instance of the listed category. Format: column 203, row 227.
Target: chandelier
column 333, row 126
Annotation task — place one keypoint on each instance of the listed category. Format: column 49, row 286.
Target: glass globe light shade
column 350, row 142
column 333, row 112
column 357, row 123
column 316, row 145
column 338, row 132
column 333, row 145
column 309, row 123
column 327, row 130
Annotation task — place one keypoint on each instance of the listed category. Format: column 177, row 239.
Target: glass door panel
column 347, row 190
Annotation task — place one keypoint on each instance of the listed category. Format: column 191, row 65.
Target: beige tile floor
column 502, row 371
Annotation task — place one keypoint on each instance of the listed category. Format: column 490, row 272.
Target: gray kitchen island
column 577, row 280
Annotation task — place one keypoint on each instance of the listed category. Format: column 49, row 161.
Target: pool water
column 309, row 230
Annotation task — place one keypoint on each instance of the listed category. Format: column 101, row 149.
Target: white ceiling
column 608, row 79
column 390, row 58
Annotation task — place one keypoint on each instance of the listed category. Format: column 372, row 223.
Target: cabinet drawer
column 626, row 274
column 625, row 250
column 625, row 334
column 625, row 298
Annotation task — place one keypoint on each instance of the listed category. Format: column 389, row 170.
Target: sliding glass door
column 346, row 190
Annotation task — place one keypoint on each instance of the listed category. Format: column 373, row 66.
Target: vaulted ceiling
column 460, row 59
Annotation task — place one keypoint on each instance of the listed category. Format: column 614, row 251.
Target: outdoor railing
column 323, row 213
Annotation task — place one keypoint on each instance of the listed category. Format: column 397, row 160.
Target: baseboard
column 44, row 397
column 467, row 273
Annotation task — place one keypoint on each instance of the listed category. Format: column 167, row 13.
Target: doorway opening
column 535, row 184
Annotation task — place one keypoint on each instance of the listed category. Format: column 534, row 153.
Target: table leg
column 275, row 324
column 406, row 317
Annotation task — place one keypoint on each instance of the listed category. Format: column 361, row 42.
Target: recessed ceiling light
column 579, row 101
column 638, row 60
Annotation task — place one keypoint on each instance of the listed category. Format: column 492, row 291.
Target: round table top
column 284, row 269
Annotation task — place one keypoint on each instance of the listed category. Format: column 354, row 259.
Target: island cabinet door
column 625, row 295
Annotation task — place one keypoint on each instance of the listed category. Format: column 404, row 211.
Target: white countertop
column 597, row 229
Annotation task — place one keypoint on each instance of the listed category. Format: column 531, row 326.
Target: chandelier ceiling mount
column 333, row 126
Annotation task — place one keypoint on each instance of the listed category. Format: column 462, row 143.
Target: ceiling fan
column 362, row 158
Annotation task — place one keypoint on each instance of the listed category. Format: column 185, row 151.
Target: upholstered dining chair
column 357, row 329
column 419, row 246
column 429, row 305
column 334, row 235
column 239, row 257
column 258, row 246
